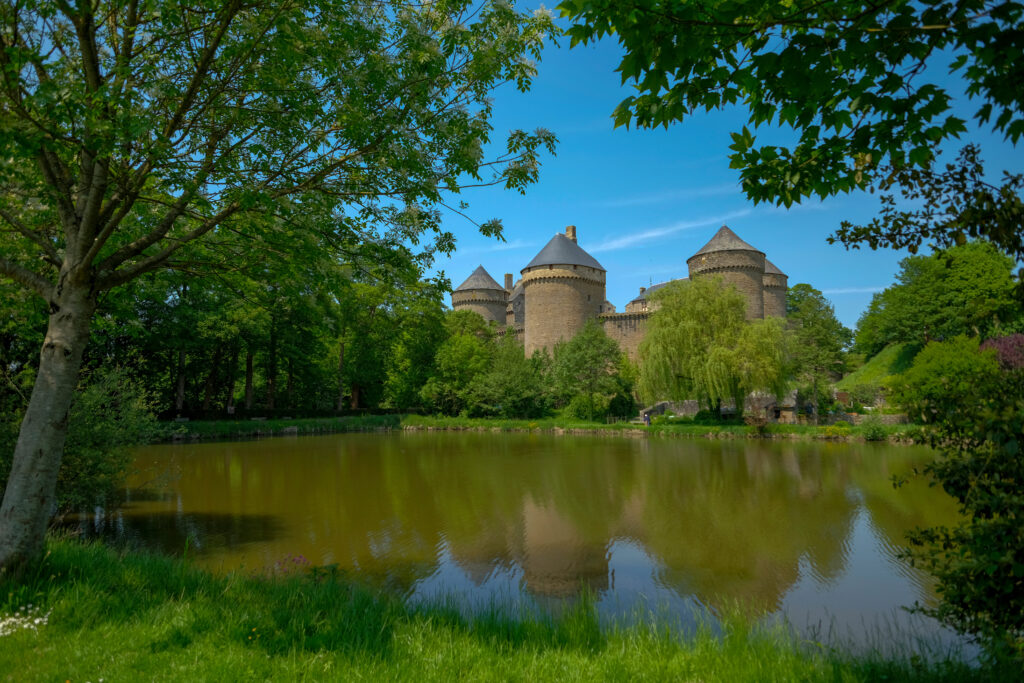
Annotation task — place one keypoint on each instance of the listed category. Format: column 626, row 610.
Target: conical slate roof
column 771, row 269
column 653, row 288
column 725, row 240
column 480, row 279
column 562, row 251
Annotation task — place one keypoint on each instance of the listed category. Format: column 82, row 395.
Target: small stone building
column 564, row 286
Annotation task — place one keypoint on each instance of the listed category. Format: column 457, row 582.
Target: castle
column 564, row 286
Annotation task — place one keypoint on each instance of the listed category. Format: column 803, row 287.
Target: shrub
column 977, row 408
column 872, row 429
column 110, row 413
column 588, row 407
column 837, row 431
column 622, row 405
column 945, row 377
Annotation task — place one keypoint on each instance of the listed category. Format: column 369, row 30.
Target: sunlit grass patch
column 131, row 616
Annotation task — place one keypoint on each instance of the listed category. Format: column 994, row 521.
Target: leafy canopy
column 699, row 345
column 974, row 397
column 962, row 290
column 818, row 343
column 130, row 129
column 858, row 81
column 586, row 368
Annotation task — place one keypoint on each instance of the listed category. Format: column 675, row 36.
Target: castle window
column 588, row 297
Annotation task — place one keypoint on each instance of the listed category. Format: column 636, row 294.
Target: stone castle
column 564, row 286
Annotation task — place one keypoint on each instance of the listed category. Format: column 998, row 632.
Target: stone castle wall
column 559, row 301
column 490, row 304
column 742, row 269
column 628, row 329
column 774, row 295
column 515, row 313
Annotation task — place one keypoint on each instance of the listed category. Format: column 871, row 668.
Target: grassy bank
column 248, row 429
column 242, row 429
column 666, row 429
column 101, row 614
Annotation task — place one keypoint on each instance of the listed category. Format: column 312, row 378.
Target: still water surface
column 806, row 530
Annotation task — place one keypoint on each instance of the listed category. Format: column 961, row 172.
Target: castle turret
column 481, row 294
column 563, row 287
column 737, row 263
column 775, row 288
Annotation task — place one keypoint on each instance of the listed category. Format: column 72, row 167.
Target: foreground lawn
column 100, row 614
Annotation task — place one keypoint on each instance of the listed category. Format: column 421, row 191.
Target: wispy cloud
column 633, row 239
column 673, row 195
column 496, row 246
column 853, row 290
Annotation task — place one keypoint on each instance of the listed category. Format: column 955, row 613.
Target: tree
column 130, row 130
column 819, row 340
column 585, row 369
column 967, row 289
column 461, row 359
column 857, row 81
column 513, row 386
column 974, row 397
column 699, row 345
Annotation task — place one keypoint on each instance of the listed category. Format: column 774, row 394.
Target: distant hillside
column 892, row 360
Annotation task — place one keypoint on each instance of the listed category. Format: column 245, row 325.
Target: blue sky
column 644, row 201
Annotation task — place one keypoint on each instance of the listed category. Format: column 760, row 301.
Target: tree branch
column 118, row 277
column 33, row 236
column 23, row 276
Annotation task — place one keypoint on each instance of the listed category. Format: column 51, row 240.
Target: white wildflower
column 25, row 618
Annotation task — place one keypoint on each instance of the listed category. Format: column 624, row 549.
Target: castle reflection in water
column 719, row 522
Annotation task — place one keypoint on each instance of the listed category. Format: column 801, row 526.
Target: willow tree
column 129, row 129
column 699, row 345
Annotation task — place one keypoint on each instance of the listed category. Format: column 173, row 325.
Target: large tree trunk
column 179, row 395
column 341, row 377
column 30, row 493
column 211, row 379
column 290, row 386
column 232, row 369
column 272, row 367
column 248, row 379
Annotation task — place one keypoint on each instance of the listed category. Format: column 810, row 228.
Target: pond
column 806, row 530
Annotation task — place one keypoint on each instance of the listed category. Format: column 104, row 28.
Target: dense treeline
column 298, row 339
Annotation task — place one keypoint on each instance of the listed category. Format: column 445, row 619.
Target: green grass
column 890, row 361
column 247, row 429
column 129, row 616
column 238, row 429
column 665, row 429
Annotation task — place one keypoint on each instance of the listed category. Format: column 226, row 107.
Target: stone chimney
column 570, row 232
column 508, row 282
column 643, row 289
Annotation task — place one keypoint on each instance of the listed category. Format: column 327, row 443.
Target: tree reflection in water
column 718, row 522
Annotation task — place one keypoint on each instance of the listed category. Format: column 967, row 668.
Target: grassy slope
column 892, row 360
column 137, row 617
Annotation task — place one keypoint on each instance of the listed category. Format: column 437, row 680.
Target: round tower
column 481, row 294
column 737, row 263
column 563, row 287
column 775, row 288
